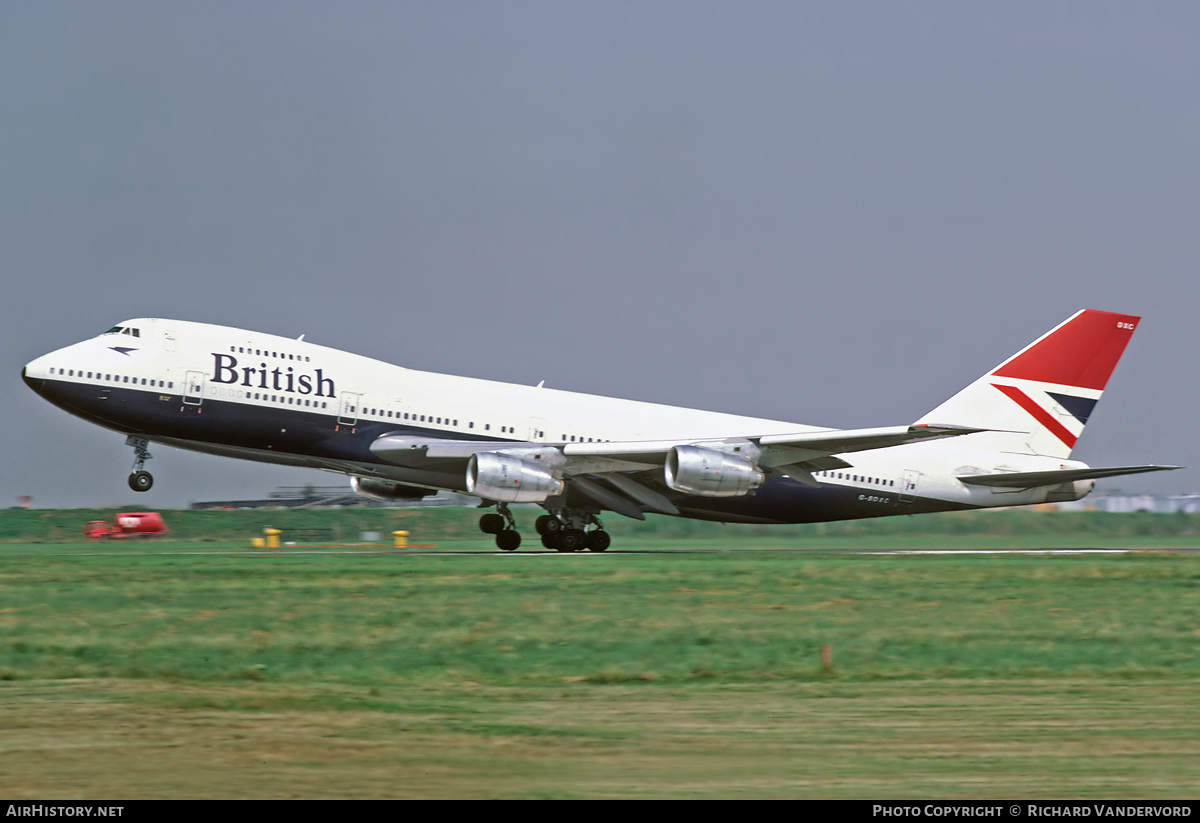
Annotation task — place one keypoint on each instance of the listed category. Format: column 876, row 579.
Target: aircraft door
column 537, row 430
column 348, row 408
column 193, row 388
column 908, row 485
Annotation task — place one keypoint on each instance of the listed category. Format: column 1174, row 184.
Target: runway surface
column 661, row 552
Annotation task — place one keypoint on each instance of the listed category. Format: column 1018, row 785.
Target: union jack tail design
column 1041, row 397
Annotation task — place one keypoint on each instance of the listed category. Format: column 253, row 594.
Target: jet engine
column 509, row 479
column 386, row 491
column 709, row 473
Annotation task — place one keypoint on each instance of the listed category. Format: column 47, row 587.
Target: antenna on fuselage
column 301, row 337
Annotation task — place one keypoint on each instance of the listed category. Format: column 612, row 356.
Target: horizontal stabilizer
column 1026, row 480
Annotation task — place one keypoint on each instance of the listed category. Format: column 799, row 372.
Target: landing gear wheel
column 571, row 540
column 491, row 523
column 547, row 525
column 139, row 480
column 550, row 541
column 598, row 541
column 508, row 540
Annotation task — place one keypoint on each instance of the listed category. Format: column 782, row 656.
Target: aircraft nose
column 34, row 383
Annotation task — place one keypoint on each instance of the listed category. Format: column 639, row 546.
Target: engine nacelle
column 708, row 473
column 386, row 491
column 509, row 479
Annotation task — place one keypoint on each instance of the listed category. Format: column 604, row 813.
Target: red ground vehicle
column 127, row 524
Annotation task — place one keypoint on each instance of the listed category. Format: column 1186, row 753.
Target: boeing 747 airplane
column 400, row 434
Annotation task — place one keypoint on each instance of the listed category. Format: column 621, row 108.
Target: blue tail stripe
column 1079, row 407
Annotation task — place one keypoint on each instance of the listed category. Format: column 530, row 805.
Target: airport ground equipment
column 127, row 524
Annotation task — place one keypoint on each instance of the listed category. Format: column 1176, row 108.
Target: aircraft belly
column 783, row 500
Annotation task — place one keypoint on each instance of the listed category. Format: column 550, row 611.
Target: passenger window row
column 377, row 412
column 422, row 418
column 279, row 398
column 114, row 378
column 374, row 411
column 856, row 478
column 446, row 421
column 268, row 353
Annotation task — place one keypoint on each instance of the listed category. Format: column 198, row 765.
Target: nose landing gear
column 140, row 480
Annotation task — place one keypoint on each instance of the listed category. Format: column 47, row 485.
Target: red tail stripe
column 1041, row 415
column 1081, row 352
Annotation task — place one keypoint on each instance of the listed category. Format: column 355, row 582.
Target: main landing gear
column 562, row 531
column 501, row 524
column 140, row 480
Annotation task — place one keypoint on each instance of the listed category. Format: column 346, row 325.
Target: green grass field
column 441, row 524
column 200, row 669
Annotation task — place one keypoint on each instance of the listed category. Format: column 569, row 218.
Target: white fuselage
column 221, row 390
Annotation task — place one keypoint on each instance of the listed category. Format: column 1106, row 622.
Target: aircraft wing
column 812, row 450
column 1028, row 480
column 584, row 465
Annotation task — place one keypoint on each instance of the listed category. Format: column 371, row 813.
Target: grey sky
column 833, row 213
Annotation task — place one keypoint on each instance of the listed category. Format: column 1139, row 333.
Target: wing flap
column 606, row 497
column 642, row 494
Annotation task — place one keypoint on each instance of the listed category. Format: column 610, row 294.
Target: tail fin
column 1041, row 397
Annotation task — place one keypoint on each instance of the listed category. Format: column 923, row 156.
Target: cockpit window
column 115, row 330
column 132, row 332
